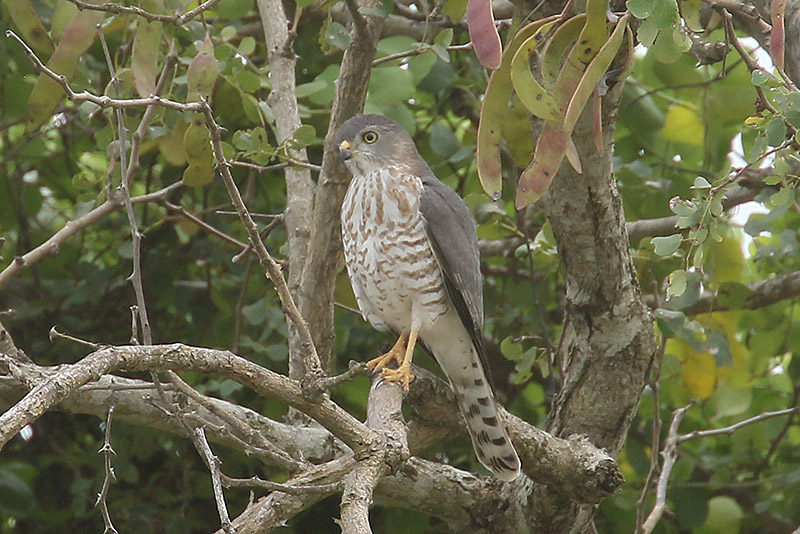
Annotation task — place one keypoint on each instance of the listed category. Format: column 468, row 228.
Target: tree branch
column 58, row 387
column 282, row 100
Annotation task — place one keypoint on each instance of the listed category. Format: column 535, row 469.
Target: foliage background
column 674, row 136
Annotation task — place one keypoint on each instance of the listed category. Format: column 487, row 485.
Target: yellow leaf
column 683, row 124
column 725, row 260
column 700, row 374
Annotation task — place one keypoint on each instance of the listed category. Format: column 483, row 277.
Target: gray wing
column 451, row 231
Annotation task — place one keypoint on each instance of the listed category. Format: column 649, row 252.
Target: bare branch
column 175, row 357
column 53, row 245
column 275, row 454
column 102, row 101
column 311, row 358
column 670, row 455
column 282, row 100
column 383, row 415
column 736, row 426
column 212, row 462
column 177, row 20
column 108, row 453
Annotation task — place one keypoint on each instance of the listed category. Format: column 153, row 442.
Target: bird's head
column 369, row 142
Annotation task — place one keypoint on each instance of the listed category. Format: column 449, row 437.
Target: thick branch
column 178, row 357
column 299, row 186
column 384, row 416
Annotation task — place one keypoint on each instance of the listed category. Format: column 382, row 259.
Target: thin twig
column 124, row 192
column 422, row 49
column 177, row 20
column 202, row 224
column 55, row 334
column 670, row 455
column 277, row 456
column 355, row 369
column 108, row 453
column 102, row 101
column 311, row 357
column 736, row 426
column 212, row 462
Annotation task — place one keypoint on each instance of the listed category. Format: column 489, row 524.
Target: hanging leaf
column 76, row 39
column 493, row 111
column 532, row 94
column 144, row 58
column 202, row 72
column 483, row 33
column 29, row 25
column 594, row 73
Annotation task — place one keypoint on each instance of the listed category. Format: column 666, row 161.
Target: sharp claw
column 403, row 376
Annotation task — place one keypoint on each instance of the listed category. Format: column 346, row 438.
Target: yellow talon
column 403, row 373
column 395, row 353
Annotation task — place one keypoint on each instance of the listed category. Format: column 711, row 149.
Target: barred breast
column 395, row 277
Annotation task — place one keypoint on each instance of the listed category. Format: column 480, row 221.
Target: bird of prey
column 412, row 255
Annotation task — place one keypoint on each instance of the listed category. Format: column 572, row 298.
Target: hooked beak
column 345, row 150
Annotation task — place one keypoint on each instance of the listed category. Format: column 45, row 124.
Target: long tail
column 455, row 353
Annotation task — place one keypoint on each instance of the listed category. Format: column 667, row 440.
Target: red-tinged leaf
column 597, row 122
column 551, row 148
column 29, row 25
column 483, row 33
column 777, row 38
column 594, row 73
column 528, row 89
column 144, row 59
column 573, row 157
column 493, row 110
column 203, row 71
column 75, row 40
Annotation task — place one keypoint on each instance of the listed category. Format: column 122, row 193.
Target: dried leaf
column 777, row 38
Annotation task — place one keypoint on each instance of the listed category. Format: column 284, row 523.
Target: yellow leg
column 395, row 353
column 403, row 373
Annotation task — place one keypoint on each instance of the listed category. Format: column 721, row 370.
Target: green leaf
column 784, row 197
column 677, row 283
column 144, row 58
column 641, row 9
column 776, row 132
column 16, row 496
column 335, row 36
column 29, row 25
column 443, row 141
column 669, row 321
column 389, row 85
column 667, row 246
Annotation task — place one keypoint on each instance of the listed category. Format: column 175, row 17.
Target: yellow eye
column 370, row 137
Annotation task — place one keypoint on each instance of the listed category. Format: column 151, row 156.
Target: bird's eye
column 370, row 137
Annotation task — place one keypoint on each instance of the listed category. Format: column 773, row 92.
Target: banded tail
column 458, row 358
